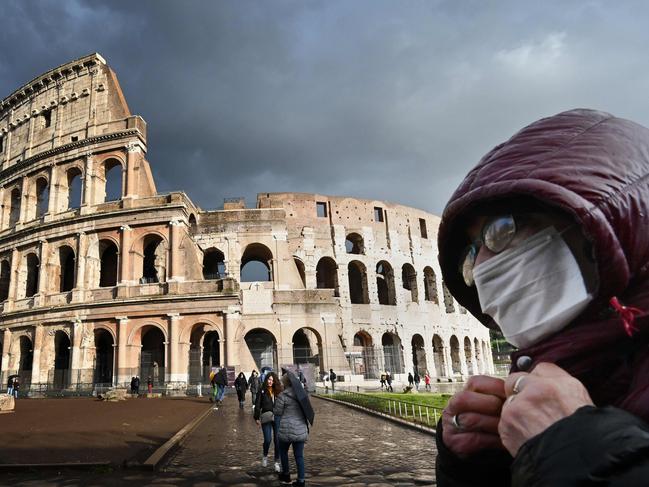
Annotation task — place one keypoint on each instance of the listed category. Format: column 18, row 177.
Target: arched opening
column 25, row 362
column 152, row 356
column 211, row 352
column 469, row 356
column 31, row 283
column 61, row 378
column 66, row 263
column 74, row 188
column 418, row 355
column 439, row 356
column 392, row 355
column 42, row 197
column 113, row 175
column 263, row 348
column 104, row 346
column 456, row 365
column 430, row 285
column 307, row 348
column 478, row 357
column 354, row 244
column 5, row 278
column 365, row 360
column 326, row 275
column 14, row 211
column 213, row 264
column 154, row 261
column 204, row 354
column 357, row 283
column 256, row 263
column 448, row 299
column 300, row 270
column 192, row 222
column 108, row 263
column 409, row 281
column 385, row 283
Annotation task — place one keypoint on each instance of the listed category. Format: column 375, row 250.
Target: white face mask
column 532, row 290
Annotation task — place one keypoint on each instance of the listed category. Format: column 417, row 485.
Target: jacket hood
column 590, row 165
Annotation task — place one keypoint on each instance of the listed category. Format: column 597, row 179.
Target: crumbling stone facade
column 102, row 278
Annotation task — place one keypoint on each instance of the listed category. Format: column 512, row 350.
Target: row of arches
column 36, row 200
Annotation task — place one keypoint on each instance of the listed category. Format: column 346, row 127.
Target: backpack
column 332, row 376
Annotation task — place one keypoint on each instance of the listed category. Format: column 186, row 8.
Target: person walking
column 388, row 381
column 136, row 384
column 254, row 384
column 382, row 381
column 411, row 380
column 10, row 386
column 293, row 431
column 221, row 380
column 16, row 387
column 149, row 384
column 427, row 381
column 241, row 385
column 332, row 379
column 417, row 380
column 263, row 414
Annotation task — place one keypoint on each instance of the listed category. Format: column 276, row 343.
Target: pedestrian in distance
column 332, row 379
column 263, row 414
column 241, row 386
column 547, row 240
column 132, row 385
column 293, row 431
column 388, row 381
column 417, row 380
column 221, row 380
column 382, row 381
column 427, row 381
column 149, row 384
column 254, row 384
column 10, row 386
column 16, row 387
column 137, row 385
column 411, row 380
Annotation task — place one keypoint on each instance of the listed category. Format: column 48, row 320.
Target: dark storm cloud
column 385, row 100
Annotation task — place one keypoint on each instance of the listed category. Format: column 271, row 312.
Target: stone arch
column 419, row 364
column 439, row 355
column 326, row 274
column 31, row 264
column 409, row 281
column 299, row 264
column 204, row 351
column 307, row 347
column 42, row 189
column 108, row 263
column 5, row 279
column 154, row 258
column 354, row 244
column 111, row 180
column 262, row 345
column 24, row 360
column 365, row 359
column 357, row 274
column 14, row 201
column 385, row 283
column 392, row 353
column 153, row 356
column 74, row 187
column 61, row 372
column 456, row 363
column 468, row 355
column 430, row 285
column 104, row 355
column 213, row 264
column 66, row 268
column 192, row 222
column 256, row 263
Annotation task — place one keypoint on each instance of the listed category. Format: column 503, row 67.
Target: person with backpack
column 332, row 379
column 220, row 380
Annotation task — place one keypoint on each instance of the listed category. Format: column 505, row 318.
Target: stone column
column 231, row 320
column 132, row 155
column 123, row 373
column 175, row 372
column 125, row 256
column 448, row 361
column 176, row 272
column 24, row 202
column 75, row 351
column 36, row 354
column 43, row 282
column 464, row 369
column 80, row 281
column 6, row 347
column 52, row 203
column 13, row 280
column 88, row 187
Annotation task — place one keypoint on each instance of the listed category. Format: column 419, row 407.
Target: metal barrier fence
column 403, row 409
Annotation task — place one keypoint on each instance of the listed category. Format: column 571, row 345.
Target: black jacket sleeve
column 257, row 412
column 594, row 446
column 487, row 468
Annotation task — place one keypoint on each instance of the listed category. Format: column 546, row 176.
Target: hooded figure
column 590, row 171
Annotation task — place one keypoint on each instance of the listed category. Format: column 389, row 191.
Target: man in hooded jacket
column 547, row 238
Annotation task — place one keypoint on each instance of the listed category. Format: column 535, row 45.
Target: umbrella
column 301, row 396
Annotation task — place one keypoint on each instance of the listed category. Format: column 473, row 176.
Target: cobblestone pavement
column 346, row 448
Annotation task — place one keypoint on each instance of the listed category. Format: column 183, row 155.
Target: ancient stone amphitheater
column 103, row 278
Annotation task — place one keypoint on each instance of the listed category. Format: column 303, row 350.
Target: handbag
column 266, row 417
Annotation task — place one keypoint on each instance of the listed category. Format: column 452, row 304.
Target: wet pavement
column 345, row 448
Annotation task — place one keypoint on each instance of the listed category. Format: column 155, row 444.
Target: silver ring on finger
column 455, row 420
column 517, row 385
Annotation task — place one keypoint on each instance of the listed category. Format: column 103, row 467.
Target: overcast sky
column 391, row 100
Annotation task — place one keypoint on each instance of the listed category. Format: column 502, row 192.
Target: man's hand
column 477, row 412
column 540, row 399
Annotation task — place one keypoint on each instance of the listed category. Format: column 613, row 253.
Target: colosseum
column 103, row 278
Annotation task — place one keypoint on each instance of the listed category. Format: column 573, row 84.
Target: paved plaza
column 346, row 448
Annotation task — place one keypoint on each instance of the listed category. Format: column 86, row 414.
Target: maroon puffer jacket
column 594, row 167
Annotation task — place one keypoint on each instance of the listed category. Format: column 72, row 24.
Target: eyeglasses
column 496, row 234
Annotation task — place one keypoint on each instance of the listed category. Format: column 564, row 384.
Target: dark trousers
column 298, row 453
